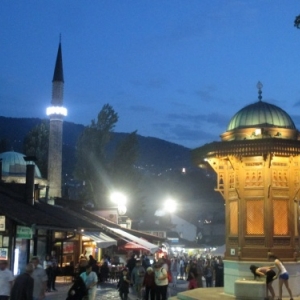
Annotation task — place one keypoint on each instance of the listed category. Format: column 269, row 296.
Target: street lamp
column 170, row 206
column 119, row 200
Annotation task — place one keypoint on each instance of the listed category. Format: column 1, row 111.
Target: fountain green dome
column 261, row 114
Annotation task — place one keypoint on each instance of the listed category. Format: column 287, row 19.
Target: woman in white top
column 283, row 276
column 161, row 281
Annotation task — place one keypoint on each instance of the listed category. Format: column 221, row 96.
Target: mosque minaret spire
column 56, row 113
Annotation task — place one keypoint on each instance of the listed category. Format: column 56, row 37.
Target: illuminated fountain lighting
column 56, row 110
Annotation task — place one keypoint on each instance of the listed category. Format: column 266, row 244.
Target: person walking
column 23, row 286
column 208, row 274
column 123, row 284
column 90, row 279
column 219, row 272
column 161, row 281
column 55, row 269
column 181, row 268
column 200, row 271
column 6, row 280
column 49, row 271
column 175, row 269
column 137, row 278
column 78, row 290
column 40, row 279
column 192, row 276
column 149, row 284
column 283, row 276
column 270, row 275
column 131, row 264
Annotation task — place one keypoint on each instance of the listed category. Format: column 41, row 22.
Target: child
column 123, row 284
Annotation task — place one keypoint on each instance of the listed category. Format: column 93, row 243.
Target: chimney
column 29, row 185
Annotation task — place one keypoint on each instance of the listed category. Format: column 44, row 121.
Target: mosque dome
column 14, row 164
column 261, row 114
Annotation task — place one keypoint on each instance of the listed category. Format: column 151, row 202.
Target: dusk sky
column 171, row 69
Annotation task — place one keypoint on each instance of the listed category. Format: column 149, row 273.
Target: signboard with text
column 24, row 232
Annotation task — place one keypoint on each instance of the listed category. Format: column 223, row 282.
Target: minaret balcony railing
column 56, row 110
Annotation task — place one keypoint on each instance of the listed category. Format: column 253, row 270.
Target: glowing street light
column 170, row 206
column 120, row 200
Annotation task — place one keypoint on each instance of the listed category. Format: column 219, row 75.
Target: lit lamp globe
column 122, row 209
column 120, row 200
column 170, row 206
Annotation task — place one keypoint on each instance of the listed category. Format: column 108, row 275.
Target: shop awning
column 132, row 238
column 101, row 239
column 133, row 246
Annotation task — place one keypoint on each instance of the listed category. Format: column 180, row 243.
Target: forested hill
column 155, row 155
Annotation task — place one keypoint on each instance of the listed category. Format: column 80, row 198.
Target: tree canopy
column 297, row 22
column 105, row 172
column 36, row 144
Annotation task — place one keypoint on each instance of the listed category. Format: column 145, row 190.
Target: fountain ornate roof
column 261, row 114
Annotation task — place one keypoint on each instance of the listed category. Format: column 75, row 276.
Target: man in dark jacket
column 131, row 264
column 23, row 286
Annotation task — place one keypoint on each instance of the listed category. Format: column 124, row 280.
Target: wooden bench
column 245, row 289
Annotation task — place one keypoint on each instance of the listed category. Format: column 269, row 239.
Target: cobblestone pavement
column 105, row 291
column 108, row 291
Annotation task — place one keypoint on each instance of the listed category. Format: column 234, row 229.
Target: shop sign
column 2, row 223
column 24, row 232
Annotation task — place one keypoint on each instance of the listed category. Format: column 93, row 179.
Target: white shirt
column 6, row 277
column 158, row 273
column 40, row 277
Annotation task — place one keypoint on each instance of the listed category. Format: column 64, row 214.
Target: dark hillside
column 156, row 155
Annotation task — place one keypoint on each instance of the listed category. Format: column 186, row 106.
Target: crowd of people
column 146, row 280
column 30, row 285
column 151, row 281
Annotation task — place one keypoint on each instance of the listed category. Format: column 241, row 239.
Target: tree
column 106, row 167
column 3, row 145
column 36, row 144
column 91, row 165
column 297, row 22
column 126, row 176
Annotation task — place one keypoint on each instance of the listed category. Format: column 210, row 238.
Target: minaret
column 56, row 113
